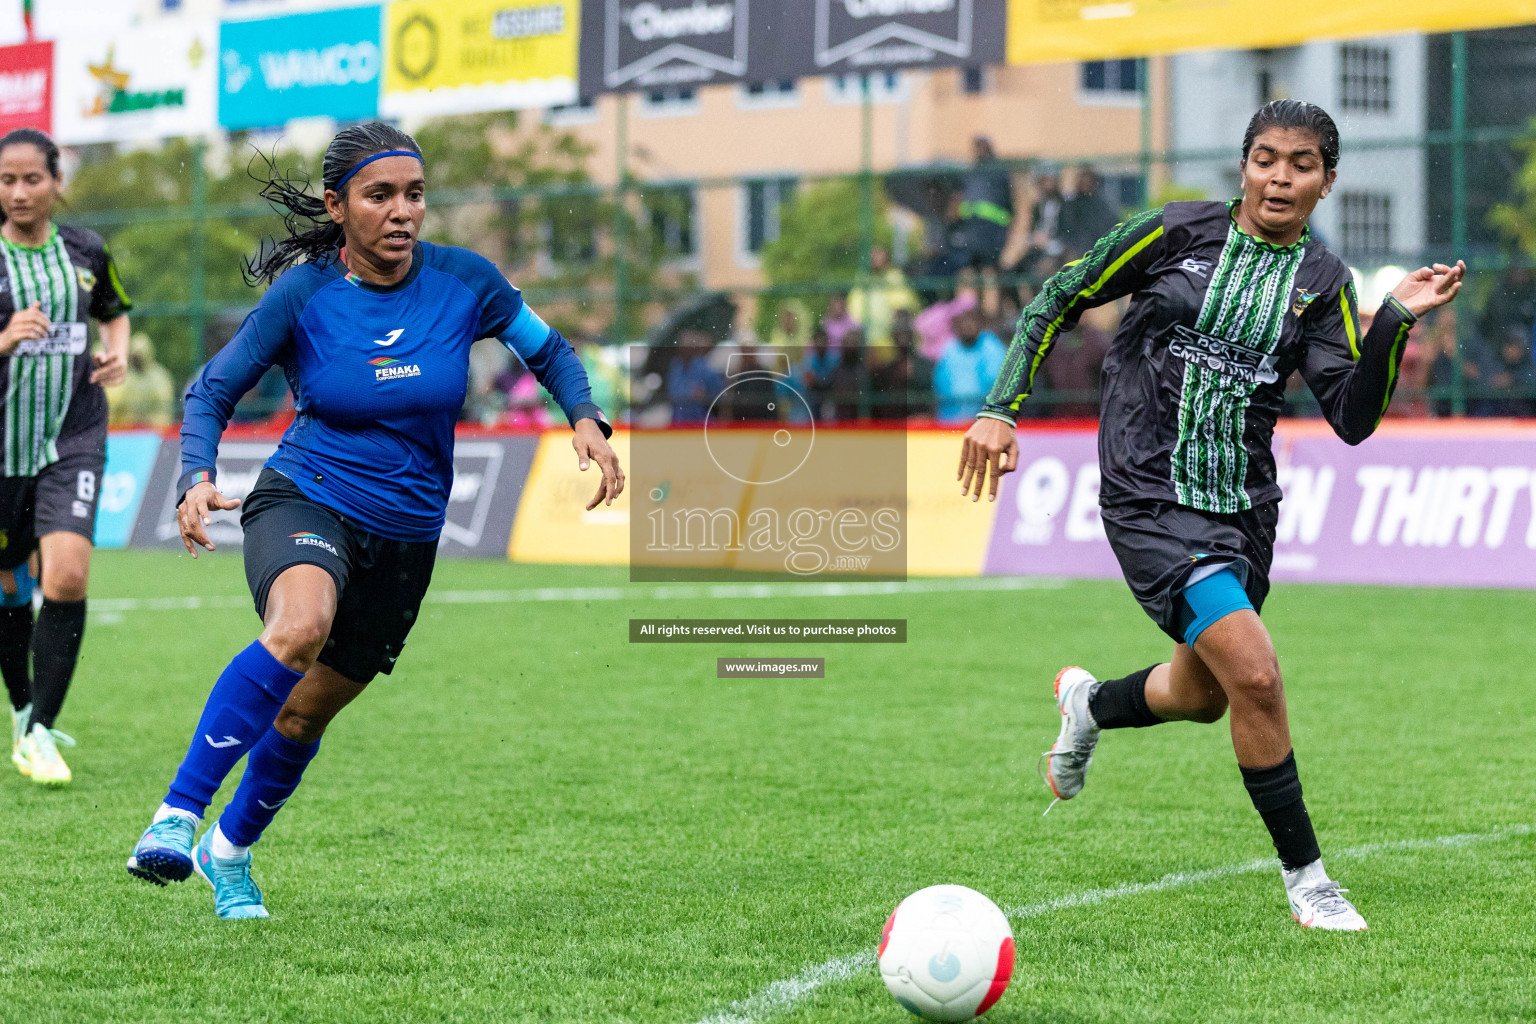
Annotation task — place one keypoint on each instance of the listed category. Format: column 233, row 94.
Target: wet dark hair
column 1307, row 117
column 33, row 137
column 312, row 235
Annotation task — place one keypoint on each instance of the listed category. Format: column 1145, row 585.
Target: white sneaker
column 41, row 749
column 19, row 721
column 1066, row 763
column 1318, row 902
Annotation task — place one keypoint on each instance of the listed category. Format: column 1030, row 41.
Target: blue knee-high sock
column 242, row 707
column 272, row 773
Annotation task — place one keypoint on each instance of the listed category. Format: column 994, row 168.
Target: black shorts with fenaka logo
column 1159, row 543
column 62, row 497
column 379, row 582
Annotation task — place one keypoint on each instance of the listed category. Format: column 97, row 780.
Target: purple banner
column 1415, row 505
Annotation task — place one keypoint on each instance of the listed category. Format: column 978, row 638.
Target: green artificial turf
column 534, row 820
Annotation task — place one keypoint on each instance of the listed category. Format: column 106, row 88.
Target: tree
column 819, row 241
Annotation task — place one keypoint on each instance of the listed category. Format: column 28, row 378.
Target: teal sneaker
column 234, row 891
column 164, row 852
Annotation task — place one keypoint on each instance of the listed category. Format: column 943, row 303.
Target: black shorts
column 62, row 497
column 1158, row 544
column 379, row 582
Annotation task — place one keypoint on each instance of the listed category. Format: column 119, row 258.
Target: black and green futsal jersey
column 46, row 385
column 1195, row 379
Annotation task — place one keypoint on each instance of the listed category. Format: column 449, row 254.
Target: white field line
column 781, row 997
column 632, row 592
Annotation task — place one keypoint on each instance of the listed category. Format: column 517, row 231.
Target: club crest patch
column 1303, row 300
column 86, row 277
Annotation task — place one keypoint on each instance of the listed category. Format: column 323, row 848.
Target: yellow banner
column 462, row 56
column 947, row 534
column 1043, row 31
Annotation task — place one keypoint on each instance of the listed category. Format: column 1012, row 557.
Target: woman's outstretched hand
column 591, row 445
column 1430, row 287
column 990, row 449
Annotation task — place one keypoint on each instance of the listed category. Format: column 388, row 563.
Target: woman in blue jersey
column 372, row 328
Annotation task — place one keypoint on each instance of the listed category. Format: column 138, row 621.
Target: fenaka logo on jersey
column 864, row 32
column 674, row 42
column 1228, row 358
column 314, row 540
column 385, row 368
column 1303, row 300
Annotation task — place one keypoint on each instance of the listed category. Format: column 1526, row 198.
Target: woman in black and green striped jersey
column 1228, row 299
column 53, row 438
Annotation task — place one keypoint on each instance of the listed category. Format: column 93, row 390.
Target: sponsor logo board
column 303, row 65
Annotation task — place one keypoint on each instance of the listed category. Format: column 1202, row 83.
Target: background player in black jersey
column 1228, row 299
column 53, row 438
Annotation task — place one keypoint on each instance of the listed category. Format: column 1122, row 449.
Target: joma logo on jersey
column 385, row 368
column 1303, row 300
column 313, row 540
column 1224, row 357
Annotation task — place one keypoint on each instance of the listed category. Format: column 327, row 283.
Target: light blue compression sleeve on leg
column 1218, row 595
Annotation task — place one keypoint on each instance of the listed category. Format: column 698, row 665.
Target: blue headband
column 377, row 156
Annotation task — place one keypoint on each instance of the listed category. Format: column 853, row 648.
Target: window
column 1111, row 77
column 1121, row 191
column 670, row 102
column 782, row 87
column 669, row 210
column 884, row 87
column 777, row 94
column 764, row 200
column 583, row 111
column 973, row 81
column 1365, row 78
column 1367, row 222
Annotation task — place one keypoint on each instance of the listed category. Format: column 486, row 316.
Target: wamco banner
column 150, row 82
column 461, row 56
column 303, row 65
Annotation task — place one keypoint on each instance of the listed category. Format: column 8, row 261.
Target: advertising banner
column 1414, row 505
column 1046, row 31
column 153, row 81
column 488, row 475
column 851, row 36
column 460, row 56
column 26, row 87
column 304, row 65
column 656, row 44
column 130, row 462
column 552, row 525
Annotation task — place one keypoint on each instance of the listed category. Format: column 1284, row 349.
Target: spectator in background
column 986, row 206
column 837, row 323
column 904, row 385
column 1511, row 305
column 147, row 395
column 848, row 378
column 966, row 368
column 812, row 377
column 1085, row 216
column 1071, row 375
column 692, row 382
column 1044, row 219
column 791, row 326
column 1514, row 373
column 1439, row 333
column 876, row 307
column 935, row 325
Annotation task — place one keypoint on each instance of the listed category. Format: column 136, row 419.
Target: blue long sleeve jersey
column 378, row 375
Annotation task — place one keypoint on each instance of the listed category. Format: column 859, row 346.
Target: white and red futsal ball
column 947, row 953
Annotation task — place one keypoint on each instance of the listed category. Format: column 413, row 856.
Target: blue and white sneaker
column 234, row 891
column 164, row 852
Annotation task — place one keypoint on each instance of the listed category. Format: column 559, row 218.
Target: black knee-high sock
column 1276, row 795
column 1122, row 703
column 16, row 653
column 55, row 648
